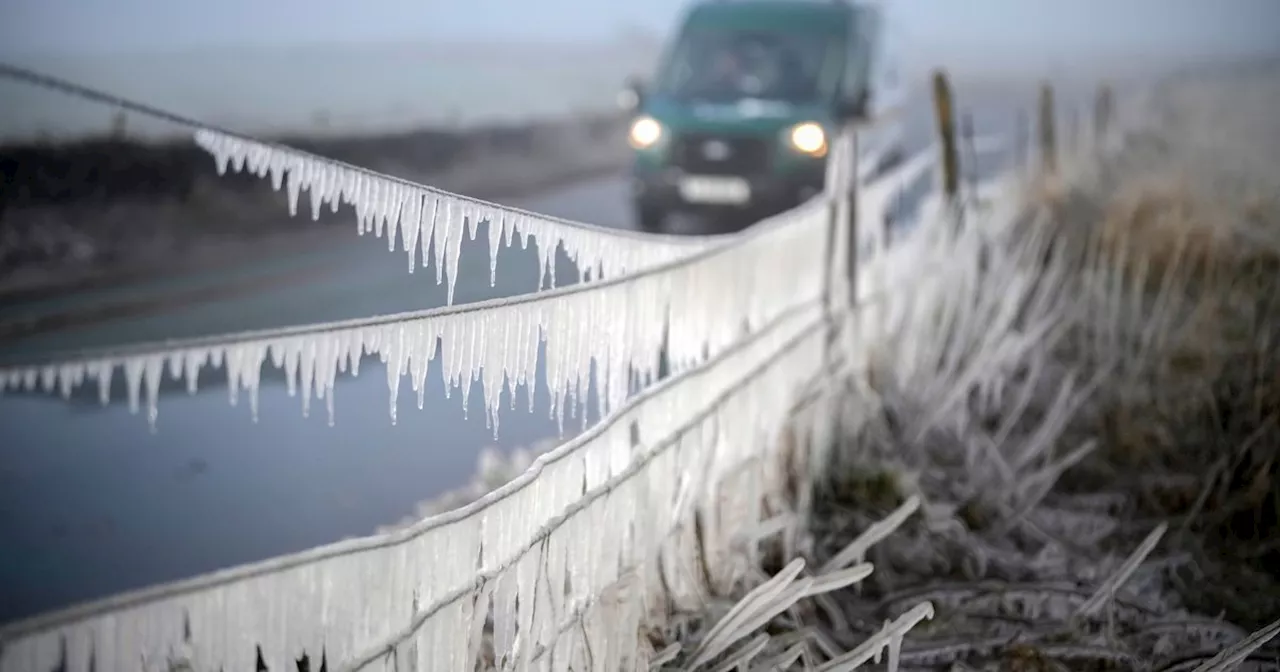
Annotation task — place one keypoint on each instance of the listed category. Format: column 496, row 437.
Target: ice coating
column 574, row 540
column 528, row 543
column 697, row 307
column 421, row 217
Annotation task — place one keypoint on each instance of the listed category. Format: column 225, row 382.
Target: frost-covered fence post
column 943, row 112
column 971, row 156
column 849, row 205
column 1048, row 131
column 1021, row 144
column 840, row 194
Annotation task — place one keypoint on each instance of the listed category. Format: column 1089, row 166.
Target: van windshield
column 723, row 66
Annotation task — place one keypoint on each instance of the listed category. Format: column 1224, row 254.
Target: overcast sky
column 981, row 29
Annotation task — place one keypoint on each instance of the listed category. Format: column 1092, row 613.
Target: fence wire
column 49, row 82
column 68, row 617
column 76, row 615
column 223, row 340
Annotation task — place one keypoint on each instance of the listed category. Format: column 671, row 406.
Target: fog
column 330, row 66
column 323, row 89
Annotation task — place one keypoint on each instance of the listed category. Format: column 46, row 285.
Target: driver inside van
column 741, row 68
column 754, row 65
column 726, row 70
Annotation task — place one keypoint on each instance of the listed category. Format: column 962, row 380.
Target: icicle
column 497, row 222
column 472, row 219
column 605, row 336
column 395, row 361
column 354, row 597
column 48, row 378
column 151, row 373
column 133, row 380
column 411, row 227
column 383, row 203
column 455, row 219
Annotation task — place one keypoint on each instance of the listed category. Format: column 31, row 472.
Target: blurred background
column 114, row 229
column 296, row 66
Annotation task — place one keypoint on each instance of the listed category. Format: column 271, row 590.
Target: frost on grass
column 717, row 638
column 424, row 219
column 694, row 307
column 1082, row 394
column 983, row 501
column 1031, row 400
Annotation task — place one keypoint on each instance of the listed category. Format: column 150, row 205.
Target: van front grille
column 709, row 154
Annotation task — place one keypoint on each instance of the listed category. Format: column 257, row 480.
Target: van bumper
column 660, row 190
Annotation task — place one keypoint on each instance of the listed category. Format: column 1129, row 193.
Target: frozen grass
column 1082, row 397
column 1056, row 434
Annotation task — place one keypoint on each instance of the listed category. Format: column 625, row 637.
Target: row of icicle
column 561, row 536
column 697, row 308
column 555, row 540
column 424, row 218
column 312, row 362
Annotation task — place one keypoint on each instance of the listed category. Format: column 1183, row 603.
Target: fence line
column 22, row 363
column 666, row 401
column 656, row 459
column 643, row 458
column 420, row 213
column 639, row 315
column 234, row 143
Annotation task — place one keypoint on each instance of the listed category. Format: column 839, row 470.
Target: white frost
column 423, row 217
column 698, row 307
column 556, row 557
column 560, row 540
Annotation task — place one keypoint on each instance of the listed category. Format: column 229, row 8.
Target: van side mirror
column 852, row 108
column 631, row 98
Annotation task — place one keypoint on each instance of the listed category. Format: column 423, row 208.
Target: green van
column 745, row 101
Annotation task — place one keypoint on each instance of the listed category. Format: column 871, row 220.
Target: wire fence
column 596, row 528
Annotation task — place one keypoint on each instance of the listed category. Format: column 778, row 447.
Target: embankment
column 1070, row 398
column 104, row 210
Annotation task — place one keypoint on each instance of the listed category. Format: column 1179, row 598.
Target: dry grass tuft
column 1165, row 227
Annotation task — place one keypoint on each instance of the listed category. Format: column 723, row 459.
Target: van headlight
column 809, row 138
column 644, row 133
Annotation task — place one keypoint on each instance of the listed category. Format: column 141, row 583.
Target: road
column 93, row 503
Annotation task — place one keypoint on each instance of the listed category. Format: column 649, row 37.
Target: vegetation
column 1085, row 402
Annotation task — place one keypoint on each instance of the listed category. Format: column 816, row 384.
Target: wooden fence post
column 1072, row 144
column 943, row 107
column 1048, row 130
column 1102, row 110
column 119, row 125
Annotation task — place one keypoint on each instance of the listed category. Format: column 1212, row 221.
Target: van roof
column 819, row 15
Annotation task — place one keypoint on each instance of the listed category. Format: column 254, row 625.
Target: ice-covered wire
column 223, row 340
column 18, row 73
column 17, row 630
column 638, row 465
column 688, row 312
